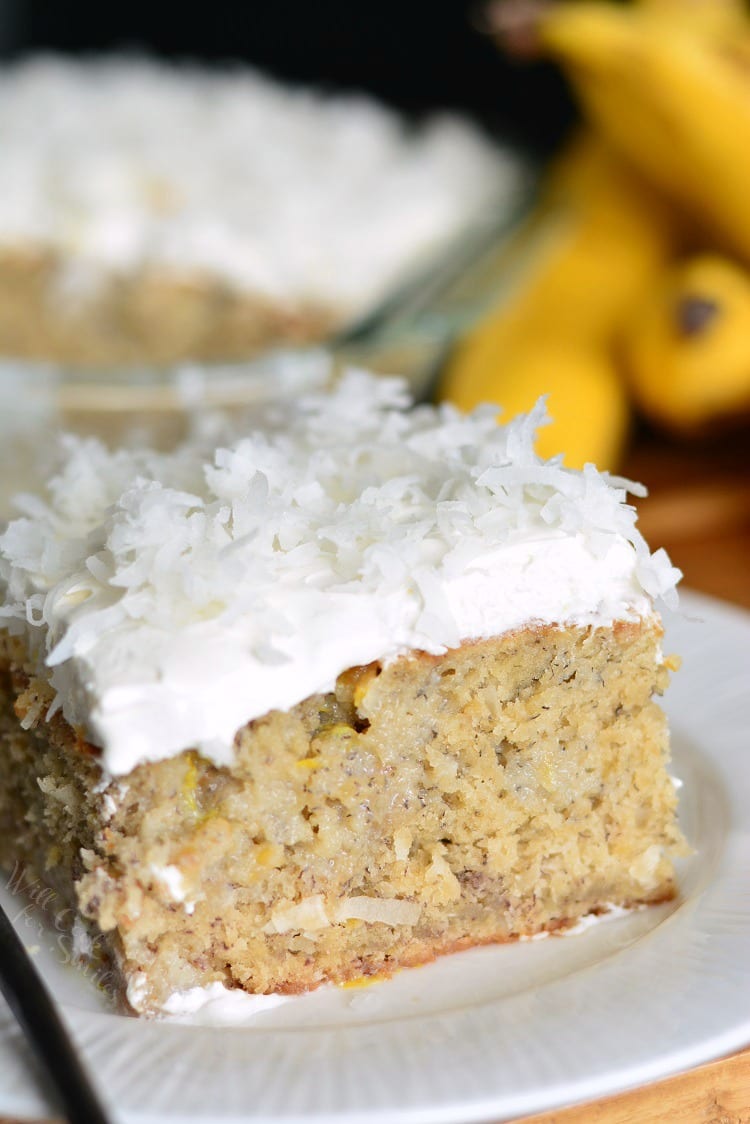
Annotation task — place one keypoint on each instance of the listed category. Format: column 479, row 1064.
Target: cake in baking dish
column 368, row 685
column 152, row 212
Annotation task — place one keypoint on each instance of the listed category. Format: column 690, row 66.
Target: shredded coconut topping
column 174, row 597
column 121, row 164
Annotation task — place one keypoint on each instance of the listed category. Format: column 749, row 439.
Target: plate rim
column 715, row 614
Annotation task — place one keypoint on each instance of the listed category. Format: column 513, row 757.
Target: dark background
column 414, row 54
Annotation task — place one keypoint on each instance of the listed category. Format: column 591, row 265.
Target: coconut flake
column 308, row 915
column 387, row 911
column 177, row 596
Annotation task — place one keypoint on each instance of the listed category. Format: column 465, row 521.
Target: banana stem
column 515, row 25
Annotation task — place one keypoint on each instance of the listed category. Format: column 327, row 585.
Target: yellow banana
column 687, row 349
column 720, row 18
column 599, row 236
column 676, row 104
column 586, row 399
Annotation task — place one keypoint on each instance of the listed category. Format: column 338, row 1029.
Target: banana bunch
column 604, row 307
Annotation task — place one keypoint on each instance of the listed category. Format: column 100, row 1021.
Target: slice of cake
column 367, row 686
column 151, row 213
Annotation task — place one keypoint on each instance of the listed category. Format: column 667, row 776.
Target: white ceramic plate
column 484, row 1035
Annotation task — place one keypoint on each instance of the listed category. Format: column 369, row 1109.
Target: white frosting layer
column 216, row 1004
column 176, row 597
column 124, row 164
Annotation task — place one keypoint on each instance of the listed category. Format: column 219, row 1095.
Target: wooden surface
column 699, row 509
column 718, row 1093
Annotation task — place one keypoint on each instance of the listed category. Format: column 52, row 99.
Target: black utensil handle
column 37, row 1015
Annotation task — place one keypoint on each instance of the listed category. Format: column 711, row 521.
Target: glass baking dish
column 408, row 334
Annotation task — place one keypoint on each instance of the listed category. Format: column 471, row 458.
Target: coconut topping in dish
column 175, row 597
column 124, row 164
